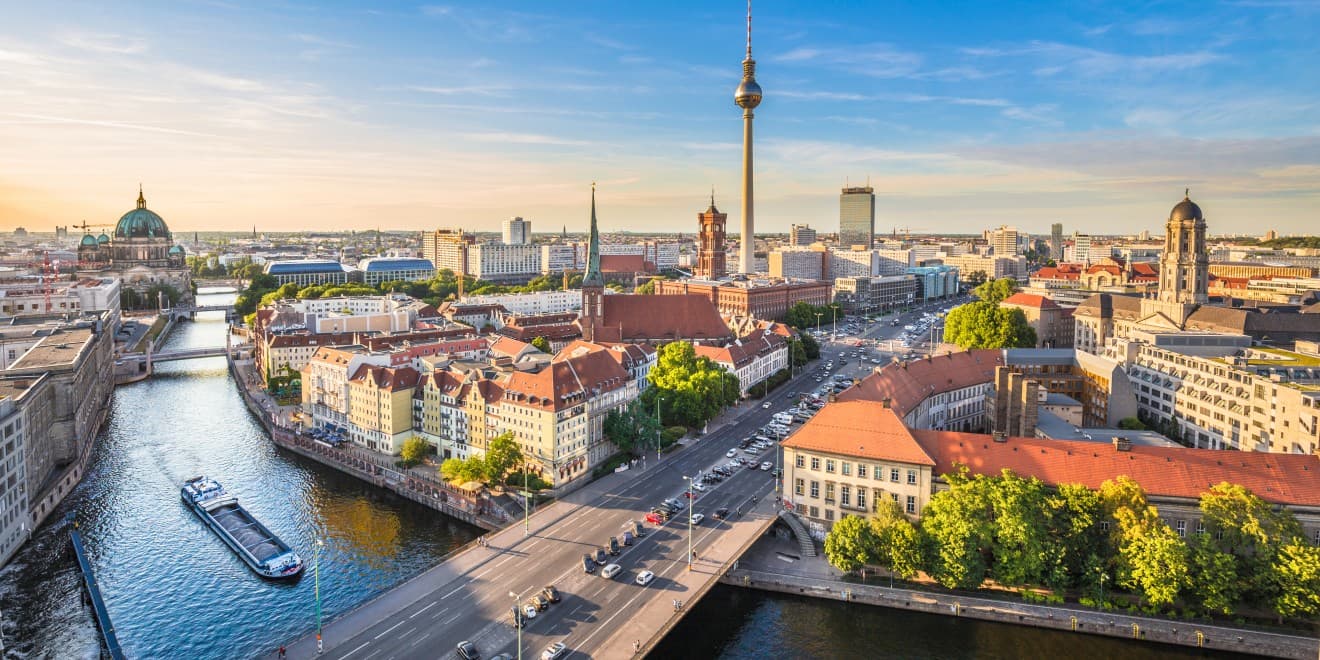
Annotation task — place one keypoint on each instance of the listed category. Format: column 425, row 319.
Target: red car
column 689, row 494
column 654, row 519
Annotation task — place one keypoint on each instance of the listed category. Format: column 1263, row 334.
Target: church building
column 141, row 253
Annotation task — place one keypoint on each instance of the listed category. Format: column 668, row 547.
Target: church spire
column 142, row 201
column 593, row 276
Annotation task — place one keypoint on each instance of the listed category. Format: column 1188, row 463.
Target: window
column 861, row 501
column 861, row 470
column 894, row 496
column 1182, row 528
column 801, row 460
column 829, row 514
column 797, row 487
column 1104, row 525
column 1316, row 540
column 912, row 476
column 893, row 475
column 815, row 513
column 845, row 469
column 1200, row 527
column 829, row 493
column 815, row 489
column 829, row 465
column 815, row 463
column 911, row 504
column 845, row 496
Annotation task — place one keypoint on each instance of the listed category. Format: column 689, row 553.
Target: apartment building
column 498, row 262
column 380, row 407
column 797, row 263
column 88, row 294
column 752, row 359
column 940, row 392
column 1052, row 323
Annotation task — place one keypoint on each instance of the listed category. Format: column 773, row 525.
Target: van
column 611, row 571
column 783, row 418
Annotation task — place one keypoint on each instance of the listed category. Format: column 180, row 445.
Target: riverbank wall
column 476, row 511
column 1081, row 621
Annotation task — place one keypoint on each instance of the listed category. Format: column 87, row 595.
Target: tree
column 797, row 354
column 1074, row 551
column 898, row 544
column 994, row 291
column 1131, row 424
column 985, row 324
column 960, row 536
column 461, row 471
column 1243, row 525
column 693, row 389
column 502, row 454
column 1296, row 574
column 1022, row 532
column 414, row 450
column 647, row 288
column 850, row 544
column 1158, row 563
column 810, row 346
column 976, row 278
column 542, row 344
column 1215, row 586
column 632, row 427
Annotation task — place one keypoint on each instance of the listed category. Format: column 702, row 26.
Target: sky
column 294, row 116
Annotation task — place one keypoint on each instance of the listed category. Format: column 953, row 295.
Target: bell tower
column 593, row 285
column 711, row 253
column 1185, row 265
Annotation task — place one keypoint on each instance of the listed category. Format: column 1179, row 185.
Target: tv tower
column 747, row 97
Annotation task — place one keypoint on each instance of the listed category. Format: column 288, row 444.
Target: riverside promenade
column 776, row 565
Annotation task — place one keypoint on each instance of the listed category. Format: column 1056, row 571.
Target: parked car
column 599, row 557
column 731, row 453
column 517, row 616
column 767, row 466
column 721, row 513
column 467, row 651
column 697, row 518
column 611, row 571
column 697, row 485
column 551, row 593
column 613, row 546
column 628, row 538
column 645, row 577
column 654, row 519
column 766, row 405
column 588, row 564
column 529, row 610
column 635, row 527
column 541, row 602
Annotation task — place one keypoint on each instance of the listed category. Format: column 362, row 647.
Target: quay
column 108, row 636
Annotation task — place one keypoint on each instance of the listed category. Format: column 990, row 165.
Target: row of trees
column 495, row 467
column 802, row 315
column 1020, row 533
column 984, row 324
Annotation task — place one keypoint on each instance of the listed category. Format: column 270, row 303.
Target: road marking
column 451, row 619
column 414, row 614
column 497, row 564
column 359, row 648
column 387, row 630
column 483, row 573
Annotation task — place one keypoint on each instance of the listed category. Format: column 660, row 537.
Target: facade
column 940, row 392
column 711, row 252
column 141, row 253
column 380, row 407
column 559, row 258
column 752, row 359
column 389, row 269
column 1052, row 323
column 994, row 267
column 801, row 235
column 764, row 299
column 1184, row 266
column 850, row 456
column 935, row 282
column 447, row 249
column 540, row 302
column 1081, row 249
column 1004, row 241
column 857, row 217
column 307, row 272
column 894, row 261
column 797, row 263
column 851, row 263
column 89, row 294
column 1056, row 241
column 861, row 295
column 15, row 527
column 498, row 262
column 516, row 231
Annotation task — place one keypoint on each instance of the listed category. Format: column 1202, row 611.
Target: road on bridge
column 468, row 596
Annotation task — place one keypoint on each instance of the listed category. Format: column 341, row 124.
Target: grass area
column 157, row 327
column 1284, row 358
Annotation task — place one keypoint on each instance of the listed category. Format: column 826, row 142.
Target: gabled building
column 753, row 358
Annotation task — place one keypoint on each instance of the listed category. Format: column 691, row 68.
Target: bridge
column 469, row 596
column 191, row 311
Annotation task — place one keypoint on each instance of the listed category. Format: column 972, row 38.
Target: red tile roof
column 1030, row 300
column 1057, row 273
column 865, row 429
column 1179, row 472
column 386, row 378
column 660, row 318
column 622, row 263
column 907, row 385
column 570, row 380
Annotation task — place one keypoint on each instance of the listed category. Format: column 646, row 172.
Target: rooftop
column 866, row 429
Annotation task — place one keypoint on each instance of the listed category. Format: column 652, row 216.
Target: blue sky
column 411, row 116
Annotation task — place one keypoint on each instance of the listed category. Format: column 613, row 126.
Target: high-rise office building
column 517, row 231
column 1004, row 241
column 801, row 235
column 857, row 217
column 1056, row 241
column 1081, row 248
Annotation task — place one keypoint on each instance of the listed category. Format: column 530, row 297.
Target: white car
column 697, row 518
column 529, row 611
column 766, row 405
column 697, row 485
column 766, row 467
column 731, row 453
column 611, row 571
column 554, row 651
column 645, row 577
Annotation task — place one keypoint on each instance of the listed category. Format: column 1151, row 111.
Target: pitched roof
column 1030, row 300
column 661, row 318
column 386, row 378
column 569, row 380
column 1180, row 472
column 865, row 429
column 907, row 385
column 623, row 263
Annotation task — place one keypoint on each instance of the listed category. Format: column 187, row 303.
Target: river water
column 175, row 590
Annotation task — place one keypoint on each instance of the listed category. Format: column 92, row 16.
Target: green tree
column 797, row 354
column 542, row 344
column 647, row 288
column 1022, row 534
column 414, row 451
column 692, row 389
column 1296, row 574
column 959, row 533
column 984, row 324
column 631, row 428
column 994, row 291
column 1131, row 424
column 850, row 544
column 898, row 543
column 975, row 278
column 1215, row 584
column 502, row 455
column 809, row 345
column 1075, row 551
column 461, row 471
column 1243, row 525
column 1158, row 564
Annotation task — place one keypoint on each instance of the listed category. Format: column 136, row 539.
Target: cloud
column 100, row 123
column 105, row 43
column 459, row 90
column 797, row 55
column 524, row 138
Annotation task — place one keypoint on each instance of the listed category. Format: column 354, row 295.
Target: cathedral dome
column 177, row 249
column 102, row 239
column 141, row 222
column 1186, row 210
column 88, row 241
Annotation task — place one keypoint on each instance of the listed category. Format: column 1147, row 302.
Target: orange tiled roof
column 386, row 378
column 1030, row 300
column 622, row 263
column 688, row 316
column 1180, row 472
column 907, row 385
column 865, row 429
column 569, row 380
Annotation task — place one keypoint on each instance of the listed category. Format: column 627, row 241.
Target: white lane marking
column 483, row 573
column 497, row 564
column 414, row 614
column 359, row 648
column 451, row 619
column 452, row 592
column 387, row 630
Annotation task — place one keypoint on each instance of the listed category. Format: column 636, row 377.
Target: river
column 175, row 590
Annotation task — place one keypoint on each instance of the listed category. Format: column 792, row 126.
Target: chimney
column 999, row 436
column 832, row 397
column 1122, row 444
column 886, row 402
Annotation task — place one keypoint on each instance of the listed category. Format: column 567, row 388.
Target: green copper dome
column 88, row 240
column 102, row 239
column 177, row 249
column 141, row 222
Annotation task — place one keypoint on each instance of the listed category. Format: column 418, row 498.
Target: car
column 673, row 504
column 731, row 453
column 722, row 513
column 539, row 602
column 635, row 527
column 589, row 564
column 645, row 577
column 767, row 466
column 697, row 518
column 628, row 538
column 554, row 651
column 766, row 405
column 502, row 656
column 654, row 519
column 599, row 557
column 611, row 571
column 529, row 610
column 613, row 546
column 551, row 593
column 689, row 495
column 467, row 650
column 517, row 616
column 698, row 486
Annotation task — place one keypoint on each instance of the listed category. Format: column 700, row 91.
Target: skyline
column 414, row 117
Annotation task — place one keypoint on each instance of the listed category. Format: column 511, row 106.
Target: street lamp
column 517, row 614
column 659, row 425
column 527, row 503
column 818, row 315
column 316, row 573
column 690, row 500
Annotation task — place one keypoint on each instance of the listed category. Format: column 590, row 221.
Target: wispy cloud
column 458, row 90
column 100, row 123
column 320, row 46
column 524, row 138
column 105, row 43
column 876, row 60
